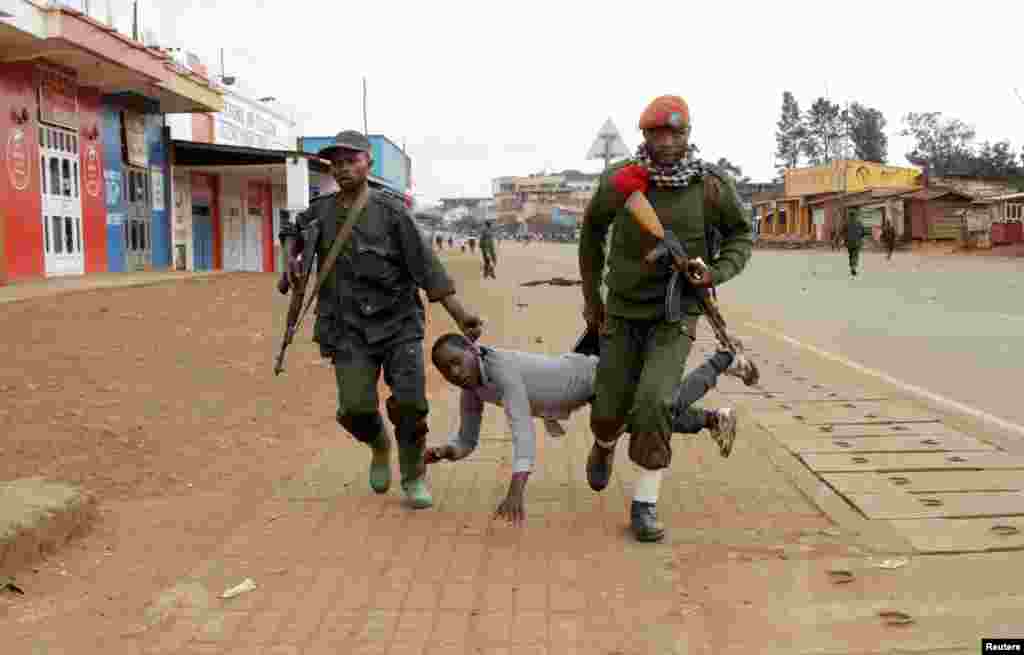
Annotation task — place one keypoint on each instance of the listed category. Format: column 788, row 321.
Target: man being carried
column 644, row 348
column 552, row 387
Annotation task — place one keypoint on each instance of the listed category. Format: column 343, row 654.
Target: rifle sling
column 332, row 256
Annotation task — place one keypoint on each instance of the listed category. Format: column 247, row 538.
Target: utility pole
column 366, row 130
column 135, row 20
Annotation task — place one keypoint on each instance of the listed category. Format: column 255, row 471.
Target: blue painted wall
column 161, row 233
column 113, row 176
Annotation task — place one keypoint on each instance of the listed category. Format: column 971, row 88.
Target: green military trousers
column 642, row 362
column 854, row 257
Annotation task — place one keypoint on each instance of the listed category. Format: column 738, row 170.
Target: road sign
column 609, row 144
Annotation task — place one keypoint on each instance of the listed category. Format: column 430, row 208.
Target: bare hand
column 594, row 314
column 295, row 268
column 437, row 453
column 471, row 325
column 699, row 273
column 511, row 509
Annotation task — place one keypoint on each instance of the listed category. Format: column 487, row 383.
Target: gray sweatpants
column 687, row 419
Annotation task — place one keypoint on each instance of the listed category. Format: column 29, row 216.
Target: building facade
column 63, row 76
column 236, row 175
column 543, row 203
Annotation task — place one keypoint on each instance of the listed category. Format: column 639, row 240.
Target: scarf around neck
column 677, row 176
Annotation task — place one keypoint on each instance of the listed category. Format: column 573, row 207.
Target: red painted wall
column 218, row 238
column 94, row 207
column 202, row 128
column 267, row 226
column 23, row 236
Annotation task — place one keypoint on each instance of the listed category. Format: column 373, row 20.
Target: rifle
column 310, row 236
column 296, row 311
column 669, row 247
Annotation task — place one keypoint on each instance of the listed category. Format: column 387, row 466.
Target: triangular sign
column 608, row 143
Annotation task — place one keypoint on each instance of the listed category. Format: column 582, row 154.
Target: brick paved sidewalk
column 341, row 570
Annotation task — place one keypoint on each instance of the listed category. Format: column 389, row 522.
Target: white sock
column 647, row 485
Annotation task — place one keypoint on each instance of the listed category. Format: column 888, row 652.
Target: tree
column 789, row 133
column 866, row 128
column 945, row 145
column 732, row 169
column 824, row 129
column 996, row 160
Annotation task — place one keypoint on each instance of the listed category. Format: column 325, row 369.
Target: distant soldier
column 440, row 242
column 488, row 250
column 855, row 232
column 889, row 237
column 472, row 245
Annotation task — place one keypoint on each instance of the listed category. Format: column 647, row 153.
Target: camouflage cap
column 347, row 140
column 665, row 111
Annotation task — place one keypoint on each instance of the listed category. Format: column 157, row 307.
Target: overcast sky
column 482, row 89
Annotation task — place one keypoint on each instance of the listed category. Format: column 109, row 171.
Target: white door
column 252, row 239
column 233, row 233
column 63, row 246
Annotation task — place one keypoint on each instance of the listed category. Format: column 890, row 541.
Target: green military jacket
column 373, row 287
column 855, row 232
column 637, row 290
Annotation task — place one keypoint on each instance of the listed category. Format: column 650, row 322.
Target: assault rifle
column 297, row 308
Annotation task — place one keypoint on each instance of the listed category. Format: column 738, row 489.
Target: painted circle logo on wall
column 17, row 160
column 92, row 171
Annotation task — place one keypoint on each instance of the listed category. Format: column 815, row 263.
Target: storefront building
column 58, row 67
column 235, row 177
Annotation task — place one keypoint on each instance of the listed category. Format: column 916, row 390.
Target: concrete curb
column 9, row 297
column 37, row 517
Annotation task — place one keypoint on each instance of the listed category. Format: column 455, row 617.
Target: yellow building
column 792, row 215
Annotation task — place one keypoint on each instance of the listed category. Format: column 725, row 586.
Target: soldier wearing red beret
column 644, row 350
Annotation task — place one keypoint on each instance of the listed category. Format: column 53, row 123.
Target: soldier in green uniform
column 643, row 351
column 888, row 237
column 488, row 250
column 855, row 232
column 370, row 316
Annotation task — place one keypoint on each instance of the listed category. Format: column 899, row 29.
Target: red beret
column 629, row 179
column 665, row 111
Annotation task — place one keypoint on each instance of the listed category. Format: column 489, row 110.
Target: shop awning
column 194, row 154
column 104, row 59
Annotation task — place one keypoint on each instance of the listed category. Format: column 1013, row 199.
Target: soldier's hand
column 471, row 325
column 295, row 268
column 699, row 273
column 594, row 314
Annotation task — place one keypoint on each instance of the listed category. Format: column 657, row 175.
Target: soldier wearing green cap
column 369, row 313
column 644, row 349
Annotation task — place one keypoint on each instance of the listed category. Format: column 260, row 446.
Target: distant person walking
column 889, row 237
column 855, row 232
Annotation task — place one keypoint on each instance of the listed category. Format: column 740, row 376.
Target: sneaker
column 743, row 368
column 417, row 494
column 643, row 519
column 380, row 464
column 723, row 431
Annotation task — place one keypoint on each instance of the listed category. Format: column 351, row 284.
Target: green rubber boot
column 380, row 463
column 414, row 475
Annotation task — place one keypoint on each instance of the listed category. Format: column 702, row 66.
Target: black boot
column 644, row 522
column 599, row 466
